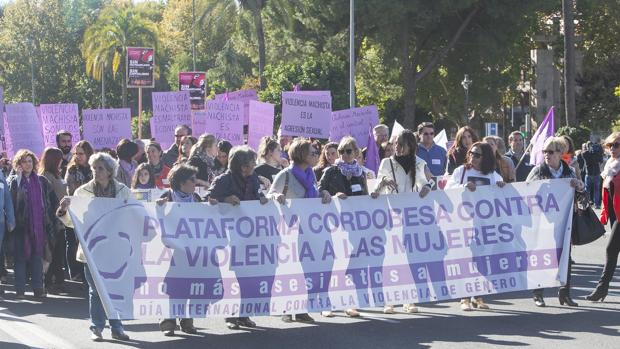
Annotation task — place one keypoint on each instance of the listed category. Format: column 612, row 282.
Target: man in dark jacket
column 593, row 157
column 171, row 155
column 516, row 153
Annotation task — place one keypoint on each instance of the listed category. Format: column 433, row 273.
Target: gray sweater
column 295, row 189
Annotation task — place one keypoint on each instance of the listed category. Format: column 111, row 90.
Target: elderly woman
column 34, row 202
column 78, row 174
column 125, row 150
column 202, row 157
column 103, row 185
column 552, row 168
column 479, row 169
column 182, row 189
column 457, row 154
column 238, row 183
column 402, row 173
column 51, row 164
column 159, row 170
column 503, row 165
column 269, row 155
column 7, row 218
column 611, row 213
column 328, row 157
column 346, row 178
column 295, row 182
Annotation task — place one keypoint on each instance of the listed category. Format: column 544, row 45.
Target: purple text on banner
column 354, row 122
column 199, row 122
column 56, row 117
column 244, row 96
column 225, row 120
column 261, row 122
column 169, row 110
column 104, row 128
column 306, row 115
column 24, row 128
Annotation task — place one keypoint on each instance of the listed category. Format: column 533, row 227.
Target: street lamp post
column 466, row 83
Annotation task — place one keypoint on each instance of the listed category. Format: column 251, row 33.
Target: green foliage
column 146, row 125
column 579, row 134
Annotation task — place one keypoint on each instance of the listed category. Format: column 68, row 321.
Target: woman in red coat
column 611, row 213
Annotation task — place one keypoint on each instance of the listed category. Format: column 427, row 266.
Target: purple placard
column 244, row 96
column 56, row 117
column 199, row 122
column 354, row 122
column 104, row 128
column 306, row 115
column 169, row 110
column 261, row 122
column 23, row 128
column 225, row 120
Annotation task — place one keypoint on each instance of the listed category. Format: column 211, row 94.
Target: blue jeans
column 97, row 313
column 35, row 266
column 593, row 188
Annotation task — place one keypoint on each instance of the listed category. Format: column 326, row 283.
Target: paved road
column 513, row 321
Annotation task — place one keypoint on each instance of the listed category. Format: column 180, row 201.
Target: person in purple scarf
column 35, row 204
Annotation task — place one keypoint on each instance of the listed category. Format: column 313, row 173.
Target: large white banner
column 197, row 260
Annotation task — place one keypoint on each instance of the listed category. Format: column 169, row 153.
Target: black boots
column 564, row 297
column 599, row 293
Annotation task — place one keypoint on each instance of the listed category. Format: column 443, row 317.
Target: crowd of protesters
column 39, row 244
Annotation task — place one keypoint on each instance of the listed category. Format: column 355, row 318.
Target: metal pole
column 140, row 112
column 466, row 105
column 193, row 34
column 352, row 54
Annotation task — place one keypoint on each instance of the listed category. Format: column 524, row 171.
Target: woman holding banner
column 457, row 154
column 182, row 189
column 295, row 182
column 103, row 185
column 611, row 213
column 34, row 202
column 552, row 168
column 346, row 178
column 402, row 173
column 238, row 183
column 159, row 170
column 479, row 169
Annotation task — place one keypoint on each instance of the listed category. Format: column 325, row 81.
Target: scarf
column 34, row 243
column 307, row 179
column 611, row 169
column 179, row 196
column 107, row 192
column 349, row 170
column 406, row 161
column 156, row 169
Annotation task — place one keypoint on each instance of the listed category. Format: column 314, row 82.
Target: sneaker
column 410, row 308
column 480, row 304
column 304, row 318
column 389, row 309
column 232, row 323
column 466, row 305
column 246, row 322
column 96, row 335
column 327, row 313
column 352, row 313
column 120, row 335
column 169, row 333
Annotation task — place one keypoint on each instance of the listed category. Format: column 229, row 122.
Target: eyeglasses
column 614, row 145
column 548, row 151
column 475, row 155
column 429, row 133
column 347, row 151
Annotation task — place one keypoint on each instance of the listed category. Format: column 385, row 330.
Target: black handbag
column 586, row 225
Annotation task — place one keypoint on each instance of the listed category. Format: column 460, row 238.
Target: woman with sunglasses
column 611, row 212
column 346, row 178
column 554, row 167
column 402, row 172
column 479, row 169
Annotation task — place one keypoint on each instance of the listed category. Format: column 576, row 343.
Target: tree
column 119, row 25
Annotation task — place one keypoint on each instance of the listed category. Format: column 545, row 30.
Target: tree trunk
column 408, row 76
column 260, row 35
column 124, row 87
column 569, row 62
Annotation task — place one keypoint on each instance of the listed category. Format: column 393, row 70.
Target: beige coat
column 403, row 180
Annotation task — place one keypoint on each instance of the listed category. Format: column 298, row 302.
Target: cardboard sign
column 104, row 128
column 261, row 122
column 56, row 117
column 306, row 115
column 225, row 121
column 169, row 110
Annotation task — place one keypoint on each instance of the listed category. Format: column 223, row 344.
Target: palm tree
column 119, row 25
